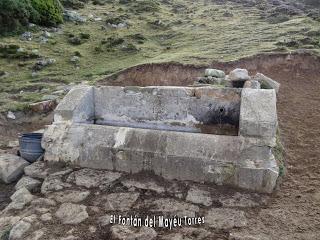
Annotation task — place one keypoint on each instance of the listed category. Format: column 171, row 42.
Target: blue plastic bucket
column 30, row 146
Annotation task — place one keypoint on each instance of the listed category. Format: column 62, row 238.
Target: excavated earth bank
column 292, row 212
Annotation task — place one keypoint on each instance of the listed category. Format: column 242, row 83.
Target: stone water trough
column 204, row 134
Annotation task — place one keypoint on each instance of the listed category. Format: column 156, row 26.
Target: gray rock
column 189, row 233
column 214, row 73
column 75, row 59
column 239, row 74
column 13, row 144
column 169, row 206
column 10, row 115
column 129, row 233
column 46, row 217
column 11, row 167
column 33, row 185
column 43, row 202
column 104, row 220
column 19, row 229
column 40, row 64
column 267, row 82
column 53, row 183
column 26, row 36
column 93, row 178
column 20, row 199
column 223, row 218
column 72, row 196
column 239, row 200
column 245, row 236
column 37, row 235
column 146, row 185
column 46, row 34
column 198, row 196
column 70, row 213
column 120, row 201
column 252, row 84
column 37, row 170
column 73, row 16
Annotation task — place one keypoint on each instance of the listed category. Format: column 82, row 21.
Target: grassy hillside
column 149, row 31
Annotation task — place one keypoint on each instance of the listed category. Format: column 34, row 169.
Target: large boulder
column 239, row 74
column 214, row 73
column 11, row 167
column 267, row 82
column 33, row 185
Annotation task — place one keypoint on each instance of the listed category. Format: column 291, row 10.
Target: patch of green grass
column 188, row 31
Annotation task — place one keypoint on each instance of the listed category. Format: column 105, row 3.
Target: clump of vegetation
column 77, row 40
column 15, row 14
column 75, row 4
column 13, row 51
column 145, row 6
column 116, row 20
column 138, row 37
column 112, row 42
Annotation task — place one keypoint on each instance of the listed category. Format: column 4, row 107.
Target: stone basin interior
column 207, row 110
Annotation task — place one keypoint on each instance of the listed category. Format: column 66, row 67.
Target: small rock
column 19, row 229
column 70, row 213
column 93, row 178
column 73, row 16
column 222, row 218
column 238, row 200
column 239, row 74
column 267, row 82
column 53, row 183
column 44, row 106
column 120, row 201
column 92, row 229
column 11, row 167
column 72, row 196
column 26, row 36
column 46, row 34
column 37, row 170
column 46, row 217
column 33, row 185
column 43, row 39
column 198, row 196
column 11, row 115
column 104, row 220
column 74, row 59
column 13, row 144
column 146, row 185
column 214, row 73
column 20, row 199
column 39, row 65
column 129, row 233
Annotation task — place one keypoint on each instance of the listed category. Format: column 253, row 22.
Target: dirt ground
column 293, row 211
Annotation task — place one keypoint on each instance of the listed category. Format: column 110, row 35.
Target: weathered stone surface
column 93, row 178
column 37, row 170
column 189, row 233
column 33, row 185
column 240, row 200
column 70, row 213
column 36, row 235
column 223, row 218
column 146, row 185
column 77, row 106
column 11, row 167
column 53, row 183
column 46, row 217
column 19, row 229
column 252, row 84
column 120, row 201
column 129, row 233
column 258, row 114
column 171, row 207
column 223, row 159
column 104, row 220
column 43, row 202
column 239, row 74
column 214, row 73
column 267, row 82
column 20, row 199
column 71, row 196
column 198, row 196
column 43, row 106
column 245, row 236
